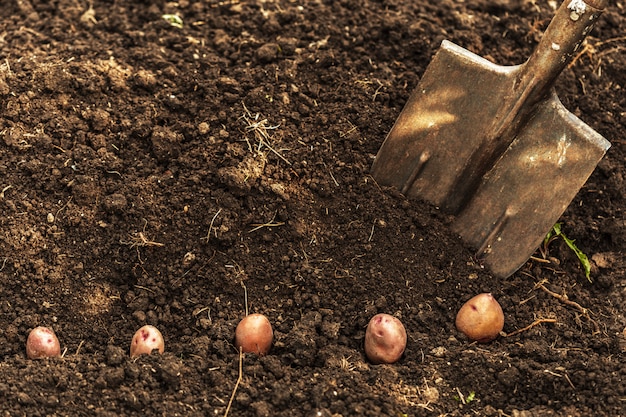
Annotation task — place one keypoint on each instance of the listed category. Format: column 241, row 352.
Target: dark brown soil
column 156, row 174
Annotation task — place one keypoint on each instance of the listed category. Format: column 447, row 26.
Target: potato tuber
column 385, row 339
column 254, row 334
column 146, row 340
column 481, row 318
column 42, row 343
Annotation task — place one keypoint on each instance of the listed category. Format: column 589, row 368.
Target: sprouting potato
column 481, row 318
column 42, row 343
column 254, row 334
column 385, row 339
column 146, row 340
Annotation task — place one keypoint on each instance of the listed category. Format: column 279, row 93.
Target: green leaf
column 551, row 234
column 582, row 258
column 470, row 396
column 584, row 261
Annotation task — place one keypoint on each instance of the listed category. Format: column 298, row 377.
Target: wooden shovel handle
column 597, row 4
column 562, row 39
column 534, row 80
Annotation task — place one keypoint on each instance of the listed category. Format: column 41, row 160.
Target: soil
column 179, row 176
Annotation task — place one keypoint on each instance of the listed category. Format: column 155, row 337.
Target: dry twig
column 260, row 127
column 245, row 296
column 4, row 190
column 208, row 234
column 530, row 326
column 139, row 239
column 565, row 300
column 592, row 50
column 232, row 397
column 271, row 223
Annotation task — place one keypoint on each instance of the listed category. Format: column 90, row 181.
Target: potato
column 254, row 334
column 145, row 340
column 42, row 343
column 385, row 339
column 481, row 318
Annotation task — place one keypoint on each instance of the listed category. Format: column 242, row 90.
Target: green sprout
column 465, row 399
column 555, row 233
column 173, row 20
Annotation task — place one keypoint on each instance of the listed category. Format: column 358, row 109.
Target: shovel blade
column 443, row 124
column 529, row 188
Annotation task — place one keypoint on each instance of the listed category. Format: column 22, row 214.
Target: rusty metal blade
column 445, row 121
column 528, row 189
